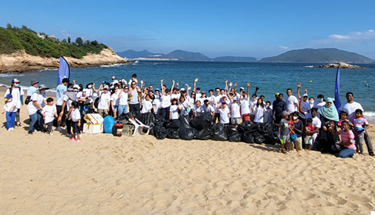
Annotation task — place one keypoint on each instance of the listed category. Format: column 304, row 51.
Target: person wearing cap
column 304, row 107
column 33, row 87
column 104, row 102
column 17, row 93
column 34, row 108
column 10, row 109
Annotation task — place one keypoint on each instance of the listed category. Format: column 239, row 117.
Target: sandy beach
column 103, row 174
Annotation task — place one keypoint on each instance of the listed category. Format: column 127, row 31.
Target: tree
column 87, row 42
column 69, row 40
column 9, row 26
column 79, row 41
column 94, row 43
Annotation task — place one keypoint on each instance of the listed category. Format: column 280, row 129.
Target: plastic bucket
column 117, row 129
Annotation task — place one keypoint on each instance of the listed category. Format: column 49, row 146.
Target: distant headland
column 22, row 49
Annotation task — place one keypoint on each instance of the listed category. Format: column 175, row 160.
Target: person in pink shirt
column 347, row 140
column 359, row 128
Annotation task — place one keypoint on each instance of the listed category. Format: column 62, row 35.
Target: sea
column 271, row 78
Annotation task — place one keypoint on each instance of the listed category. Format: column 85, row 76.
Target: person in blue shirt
column 34, row 86
column 61, row 89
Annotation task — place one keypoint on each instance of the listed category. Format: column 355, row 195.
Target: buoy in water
column 310, row 80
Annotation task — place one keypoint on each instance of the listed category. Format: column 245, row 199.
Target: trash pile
column 203, row 128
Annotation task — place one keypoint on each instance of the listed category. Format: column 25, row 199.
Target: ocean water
column 269, row 77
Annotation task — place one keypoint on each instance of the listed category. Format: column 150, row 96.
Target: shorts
column 235, row 121
column 308, row 140
column 245, row 117
column 285, row 139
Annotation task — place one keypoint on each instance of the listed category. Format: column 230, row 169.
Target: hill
column 13, row 39
column 187, row 56
column 326, row 55
column 235, row 59
column 139, row 54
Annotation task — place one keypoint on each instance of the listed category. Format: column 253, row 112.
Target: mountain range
column 308, row 55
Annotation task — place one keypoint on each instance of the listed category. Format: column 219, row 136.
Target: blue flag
column 64, row 70
column 337, row 90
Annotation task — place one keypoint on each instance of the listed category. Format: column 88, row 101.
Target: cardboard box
column 93, row 118
column 93, row 128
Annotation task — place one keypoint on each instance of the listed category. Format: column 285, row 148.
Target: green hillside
column 326, row 55
column 13, row 39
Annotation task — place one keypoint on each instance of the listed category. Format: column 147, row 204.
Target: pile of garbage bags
column 203, row 128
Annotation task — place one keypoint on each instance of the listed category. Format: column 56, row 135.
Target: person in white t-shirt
column 49, row 113
column 174, row 110
column 133, row 79
column 317, row 124
column 146, row 104
column 215, row 102
column 17, row 94
column 10, row 109
column 252, row 105
column 234, row 110
column 259, row 110
column 245, row 105
column 75, row 117
column 198, row 109
column 224, row 114
column 184, row 106
column 104, row 102
column 156, row 102
column 291, row 102
column 115, row 102
column 165, row 100
column 123, row 101
column 35, row 107
column 207, row 108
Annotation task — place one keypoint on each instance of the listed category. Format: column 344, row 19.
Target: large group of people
column 304, row 122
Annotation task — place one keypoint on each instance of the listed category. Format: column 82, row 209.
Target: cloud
column 333, row 40
column 284, row 47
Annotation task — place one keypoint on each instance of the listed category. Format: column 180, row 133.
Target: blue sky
column 214, row 28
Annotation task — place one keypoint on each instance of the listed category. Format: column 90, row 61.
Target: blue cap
column 157, row 89
column 8, row 96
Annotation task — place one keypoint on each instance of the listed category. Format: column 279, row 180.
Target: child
column 49, row 112
column 10, row 109
column 308, row 137
column 347, row 139
column 284, row 130
column 146, row 104
column 174, row 110
column 75, row 116
column 344, row 117
column 224, row 114
column 259, row 111
column 360, row 124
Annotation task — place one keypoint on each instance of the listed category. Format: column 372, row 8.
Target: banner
column 64, row 70
column 337, row 91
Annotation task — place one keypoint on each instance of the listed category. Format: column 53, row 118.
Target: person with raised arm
column 165, row 100
column 244, row 103
column 134, row 92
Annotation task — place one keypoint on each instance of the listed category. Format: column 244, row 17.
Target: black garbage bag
column 233, row 134
column 187, row 133
column 247, row 137
column 258, row 138
column 204, row 134
column 202, row 121
column 245, row 126
column 147, row 119
column 159, row 119
column 160, row 132
column 235, row 138
column 219, row 133
column 122, row 117
column 173, row 133
column 264, row 128
column 271, row 139
column 184, row 121
column 174, row 123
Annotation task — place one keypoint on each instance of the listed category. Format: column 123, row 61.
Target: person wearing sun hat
column 17, row 93
column 10, row 109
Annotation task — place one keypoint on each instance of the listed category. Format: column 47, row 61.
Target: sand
column 103, row 174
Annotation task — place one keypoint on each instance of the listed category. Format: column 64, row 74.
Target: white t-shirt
column 176, row 96
column 183, row 107
column 124, row 98
column 190, row 100
column 75, row 115
column 16, row 94
column 174, row 111
column 103, row 101
column 131, row 80
column 224, row 115
column 165, row 101
column 31, row 108
column 245, row 106
column 60, row 101
column 68, row 102
column 146, row 106
column 252, row 105
column 198, row 95
column 208, row 109
column 8, row 105
column 49, row 111
column 115, row 99
column 259, row 114
column 88, row 92
column 215, row 101
column 235, row 110
column 156, row 104
column 316, row 123
column 290, row 104
column 350, row 108
column 198, row 110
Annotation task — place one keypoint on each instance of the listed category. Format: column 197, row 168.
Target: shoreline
column 21, row 62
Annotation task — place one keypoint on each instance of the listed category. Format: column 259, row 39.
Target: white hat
column 76, row 86
column 241, row 88
column 182, row 89
column 113, row 77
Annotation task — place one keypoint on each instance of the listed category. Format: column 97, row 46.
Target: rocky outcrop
column 20, row 61
column 341, row 65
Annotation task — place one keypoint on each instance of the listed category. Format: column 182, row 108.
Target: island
column 341, row 65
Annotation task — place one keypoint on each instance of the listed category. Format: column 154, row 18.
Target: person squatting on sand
column 302, row 121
